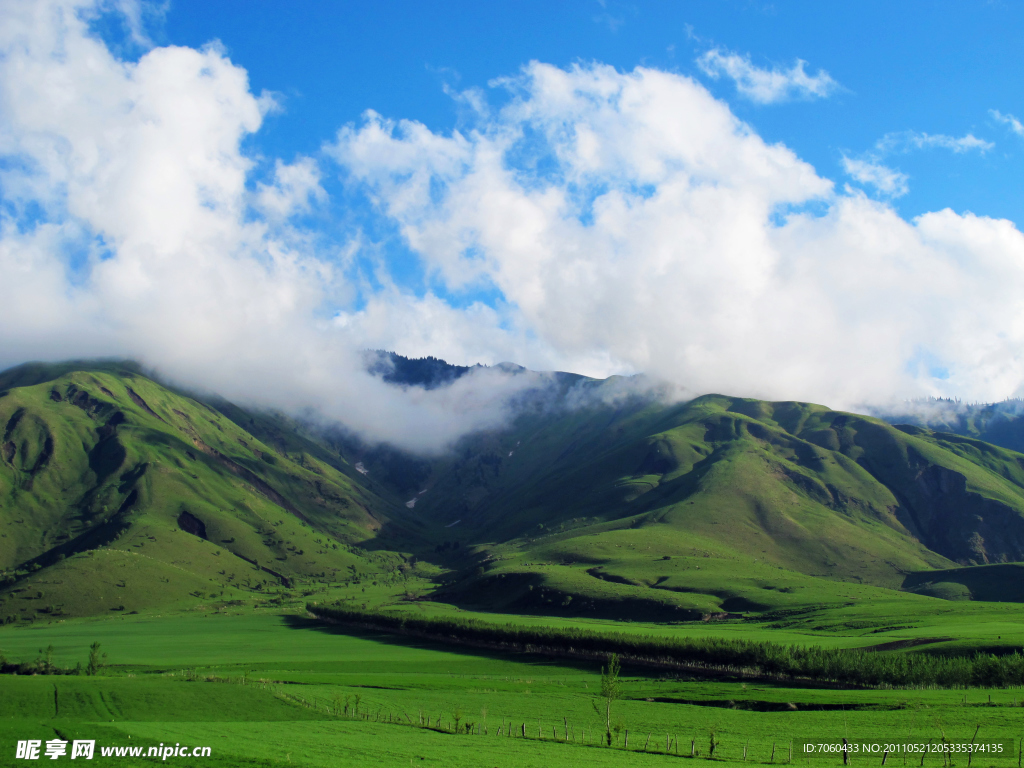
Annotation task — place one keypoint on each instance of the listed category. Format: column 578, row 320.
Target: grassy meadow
column 262, row 687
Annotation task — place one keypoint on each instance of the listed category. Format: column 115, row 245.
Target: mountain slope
column 105, row 459
column 795, row 472
column 599, row 499
column 781, row 489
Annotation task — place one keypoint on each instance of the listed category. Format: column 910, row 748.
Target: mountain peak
column 427, row 372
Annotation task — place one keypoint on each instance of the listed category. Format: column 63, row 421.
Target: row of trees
column 835, row 665
column 43, row 664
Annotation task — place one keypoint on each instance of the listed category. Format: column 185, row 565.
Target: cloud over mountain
column 130, row 227
column 631, row 216
column 597, row 220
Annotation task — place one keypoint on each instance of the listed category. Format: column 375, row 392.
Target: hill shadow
column 387, row 638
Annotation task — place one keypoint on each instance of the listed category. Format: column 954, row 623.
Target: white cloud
column 1015, row 125
column 886, row 180
column 870, row 168
column 904, row 141
column 628, row 221
column 148, row 248
column 767, row 86
column 294, row 189
column 665, row 236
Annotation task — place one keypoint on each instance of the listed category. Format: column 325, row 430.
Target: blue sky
column 931, row 67
column 787, row 200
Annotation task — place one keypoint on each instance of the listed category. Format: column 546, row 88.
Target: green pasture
column 862, row 616
column 261, row 689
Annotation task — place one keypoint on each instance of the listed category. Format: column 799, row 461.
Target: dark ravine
column 250, row 477
column 285, row 581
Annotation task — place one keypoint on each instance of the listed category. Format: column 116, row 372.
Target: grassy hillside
column 999, row 583
column 120, row 494
column 117, row 493
column 717, row 505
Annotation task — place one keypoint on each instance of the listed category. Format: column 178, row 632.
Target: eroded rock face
column 189, row 523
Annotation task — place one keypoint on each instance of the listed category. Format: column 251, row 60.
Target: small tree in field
column 610, row 691
column 95, row 659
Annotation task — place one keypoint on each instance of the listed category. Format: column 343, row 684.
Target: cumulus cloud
column 886, row 180
column 1014, row 124
column 294, row 189
column 625, row 221
column 128, row 228
column 767, row 86
column 665, row 234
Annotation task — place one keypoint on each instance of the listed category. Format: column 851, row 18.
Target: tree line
column 713, row 654
column 43, row 664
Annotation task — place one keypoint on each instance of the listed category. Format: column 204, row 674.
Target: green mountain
column 117, row 493
column 719, row 487
column 998, row 423
column 120, row 493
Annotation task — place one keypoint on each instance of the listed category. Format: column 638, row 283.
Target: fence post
column 970, row 754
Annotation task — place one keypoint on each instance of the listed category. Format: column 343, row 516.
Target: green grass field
column 262, row 688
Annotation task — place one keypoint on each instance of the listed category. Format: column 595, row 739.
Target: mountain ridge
column 622, row 506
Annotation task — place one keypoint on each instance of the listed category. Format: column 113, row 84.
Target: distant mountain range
column 118, row 492
column 998, row 423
